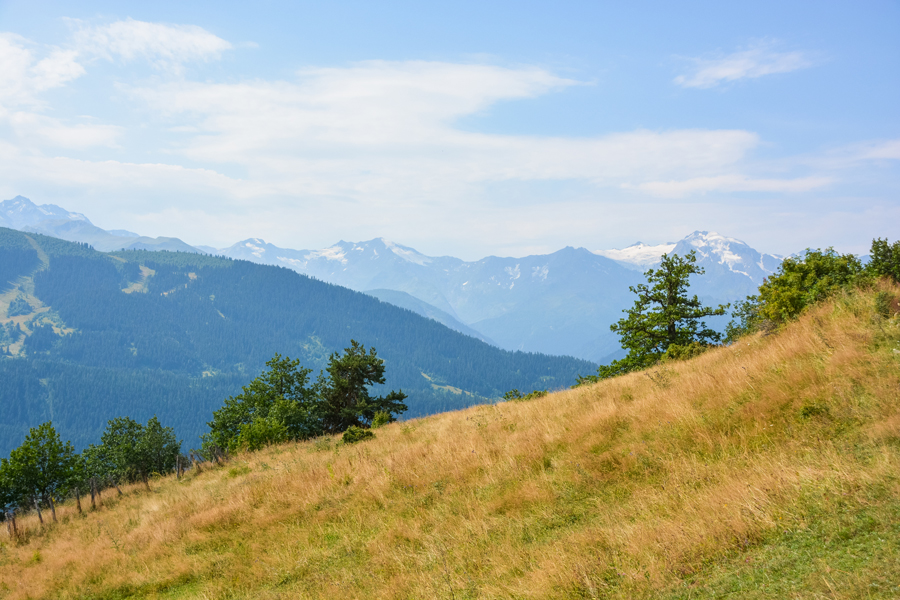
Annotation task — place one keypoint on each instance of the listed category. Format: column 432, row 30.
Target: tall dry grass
column 634, row 487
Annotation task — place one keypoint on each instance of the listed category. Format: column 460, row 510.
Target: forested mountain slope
column 140, row 333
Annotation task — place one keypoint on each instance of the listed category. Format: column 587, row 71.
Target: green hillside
column 140, row 333
column 766, row 469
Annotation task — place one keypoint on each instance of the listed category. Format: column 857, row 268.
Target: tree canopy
column 663, row 316
column 799, row 282
column 41, row 468
column 278, row 406
column 345, row 398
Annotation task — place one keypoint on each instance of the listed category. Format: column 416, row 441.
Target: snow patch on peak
column 407, row 254
column 637, row 254
column 255, row 250
column 334, row 253
column 721, row 246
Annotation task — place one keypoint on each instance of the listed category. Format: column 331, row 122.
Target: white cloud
column 747, row 64
column 166, row 47
column 24, row 76
column 387, row 129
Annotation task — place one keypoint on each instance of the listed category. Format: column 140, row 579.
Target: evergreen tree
column 885, row 259
column 662, row 316
column 345, row 400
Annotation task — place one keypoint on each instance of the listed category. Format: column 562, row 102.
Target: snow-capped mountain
column 559, row 303
column 733, row 269
column 22, row 214
column 637, row 256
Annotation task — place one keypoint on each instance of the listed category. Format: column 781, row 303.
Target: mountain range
column 86, row 336
column 560, row 303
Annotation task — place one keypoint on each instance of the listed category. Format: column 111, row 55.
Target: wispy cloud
column 25, row 75
column 383, row 128
column 164, row 46
column 755, row 62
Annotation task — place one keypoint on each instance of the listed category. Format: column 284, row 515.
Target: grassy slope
column 769, row 469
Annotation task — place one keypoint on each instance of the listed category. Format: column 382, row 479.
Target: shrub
column 382, row 418
column 799, row 283
column 685, row 352
column 518, row 396
column 357, row 434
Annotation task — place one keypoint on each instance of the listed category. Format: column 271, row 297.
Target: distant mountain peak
column 639, row 254
column 22, row 212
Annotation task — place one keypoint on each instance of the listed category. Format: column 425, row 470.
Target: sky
column 458, row 128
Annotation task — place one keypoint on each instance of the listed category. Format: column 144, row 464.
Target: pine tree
column 345, row 400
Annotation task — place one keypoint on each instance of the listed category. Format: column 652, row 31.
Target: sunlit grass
column 768, row 469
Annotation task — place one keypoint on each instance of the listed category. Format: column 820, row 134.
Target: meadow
column 766, row 469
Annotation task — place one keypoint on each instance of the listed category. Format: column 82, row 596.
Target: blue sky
column 463, row 128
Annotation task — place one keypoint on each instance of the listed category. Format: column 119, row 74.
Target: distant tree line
column 277, row 406
column 44, row 469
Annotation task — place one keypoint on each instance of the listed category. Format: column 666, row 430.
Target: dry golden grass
column 675, row 482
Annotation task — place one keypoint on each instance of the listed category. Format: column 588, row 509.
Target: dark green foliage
column 10, row 333
column 745, row 319
column 687, row 352
column 19, row 307
column 356, row 434
column 344, row 394
column 18, row 258
column 130, row 451
column 274, row 407
column 663, row 315
column 885, row 259
column 42, row 339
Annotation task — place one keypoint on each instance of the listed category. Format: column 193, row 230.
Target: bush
column 357, row 434
column 262, row 432
column 799, row 283
column 382, row 418
column 686, row 352
column 517, row 395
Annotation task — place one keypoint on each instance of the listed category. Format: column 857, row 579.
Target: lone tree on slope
column 662, row 316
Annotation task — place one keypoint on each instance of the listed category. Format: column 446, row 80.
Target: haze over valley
column 561, row 303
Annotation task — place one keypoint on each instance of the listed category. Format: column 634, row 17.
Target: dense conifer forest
column 143, row 333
